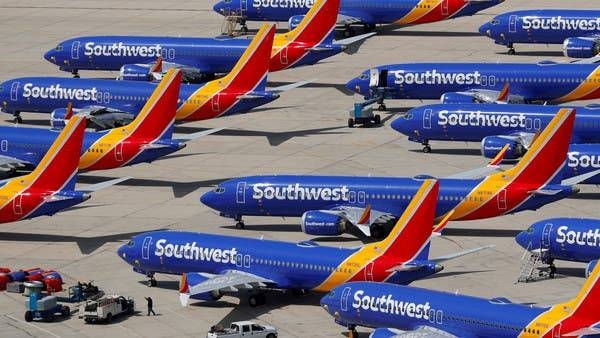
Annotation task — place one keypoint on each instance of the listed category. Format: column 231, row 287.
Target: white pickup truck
column 242, row 329
column 105, row 308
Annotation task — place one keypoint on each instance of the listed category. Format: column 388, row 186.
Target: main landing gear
column 240, row 223
column 352, row 333
column 75, row 73
column 152, row 281
column 18, row 118
column 257, row 299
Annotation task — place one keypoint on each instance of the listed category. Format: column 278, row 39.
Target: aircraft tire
column 28, row 316
column 350, row 123
column 377, row 119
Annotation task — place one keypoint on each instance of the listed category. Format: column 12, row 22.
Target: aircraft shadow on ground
column 481, row 232
column 572, row 272
column 180, row 189
column 339, row 86
column 274, row 138
column 86, row 245
column 454, row 273
column 585, row 196
column 455, row 151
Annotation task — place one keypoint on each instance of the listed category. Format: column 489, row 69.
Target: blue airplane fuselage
column 528, row 82
column 548, row 26
column 45, row 94
column 570, row 239
column 382, row 305
column 287, row 195
column 367, row 12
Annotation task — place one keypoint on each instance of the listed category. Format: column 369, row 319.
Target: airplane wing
column 103, row 117
column 345, row 19
column 580, row 178
column 8, row 163
column 492, row 166
column 290, row 86
column 230, row 280
column 362, row 218
column 352, row 45
column 419, row 332
column 586, row 331
column 460, row 254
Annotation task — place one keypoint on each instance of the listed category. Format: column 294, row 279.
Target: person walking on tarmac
column 150, row 303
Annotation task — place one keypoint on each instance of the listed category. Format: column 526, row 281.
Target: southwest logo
column 478, row 119
column 191, row 251
column 119, row 49
column 560, row 23
column 297, row 192
column 587, row 238
column 283, row 3
column 435, row 77
column 387, row 304
column 57, row 92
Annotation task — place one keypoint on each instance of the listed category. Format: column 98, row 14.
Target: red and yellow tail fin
column 586, row 303
column 252, row 68
column 317, row 25
column 547, row 154
column 156, row 118
column 414, row 228
column 58, row 167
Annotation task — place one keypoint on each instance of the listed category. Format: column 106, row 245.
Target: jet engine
column 294, row 21
column 58, row 118
column 491, row 145
column 322, row 223
column 582, row 48
column 138, row 72
column 590, row 267
column 192, row 278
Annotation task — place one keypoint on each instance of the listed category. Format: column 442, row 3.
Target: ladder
column 531, row 261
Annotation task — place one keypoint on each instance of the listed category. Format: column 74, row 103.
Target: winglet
column 500, row 156
column 437, row 230
column 157, row 67
column 366, row 216
column 503, row 95
column 184, row 289
column 69, row 112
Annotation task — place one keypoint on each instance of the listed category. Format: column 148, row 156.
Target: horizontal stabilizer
column 290, row 86
column 460, row 254
column 103, row 185
column 586, row 331
column 194, row 136
column 353, row 44
column 405, row 267
column 544, row 192
column 580, row 178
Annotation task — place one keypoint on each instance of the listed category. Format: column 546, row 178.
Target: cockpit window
column 331, row 294
column 530, row 230
column 364, row 76
column 227, row 1
column 219, row 190
column 130, row 243
column 59, row 48
column 1, row 89
column 495, row 21
column 407, row 116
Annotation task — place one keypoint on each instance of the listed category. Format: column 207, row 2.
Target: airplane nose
column 121, row 252
column 485, row 29
column 208, row 199
column 401, row 125
column 220, row 7
column 50, row 56
column 523, row 240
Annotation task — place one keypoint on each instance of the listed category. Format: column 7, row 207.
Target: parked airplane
column 146, row 139
column 577, row 30
column 492, row 125
column 329, row 204
column 426, row 313
column 481, row 82
column 369, row 13
column 117, row 102
column 201, row 58
column 50, row 187
column 213, row 264
column 567, row 239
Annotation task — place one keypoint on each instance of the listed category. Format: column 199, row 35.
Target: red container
column 52, row 274
column 52, row 285
column 3, row 280
column 4, row 270
column 35, row 277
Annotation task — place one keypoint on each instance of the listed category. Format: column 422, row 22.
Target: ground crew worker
column 150, row 303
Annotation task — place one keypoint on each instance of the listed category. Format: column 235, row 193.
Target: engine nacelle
column 294, row 21
column 190, row 279
column 136, row 72
column 581, row 48
column 590, row 267
column 456, row 98
column 321, row 223
column 58, row 118
column 491, row 146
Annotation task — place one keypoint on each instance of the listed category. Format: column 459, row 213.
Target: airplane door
column 215, row 102
column 119, row 152
column 427, row 118
column 283, row 56
column 146, row 247
column 537, row 124
column 344, row 299
column 14, row 91
column 241, row 193
column 556, row 330
column 17, row 208
column 369, row 272
column 361, row 197
column 374, row 77
column 383, row 78
column 75, row 50
column 444, row 7
column 243, row 5
column 546, row 235
column 502, row 199
column 512, row 24
column 4, row 146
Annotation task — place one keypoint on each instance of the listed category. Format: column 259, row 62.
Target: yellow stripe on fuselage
column 590, row 84
column 204, row 94
column 420, row 10
column 356, row 262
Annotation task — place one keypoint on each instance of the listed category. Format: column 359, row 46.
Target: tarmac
column 303, row 132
